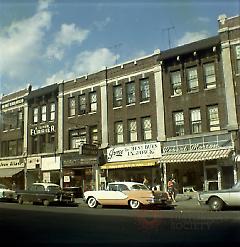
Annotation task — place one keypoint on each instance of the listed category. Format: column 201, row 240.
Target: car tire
column 134, row 204
column 46, row 203
column 92, row 202
column 20, row 200
column 215, row 204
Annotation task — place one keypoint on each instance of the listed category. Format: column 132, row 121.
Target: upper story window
column 19, row 119
column 71, row 106
column 213, row 118
column 118, row 131
column 178, row 119
column 144, row 90
column 93, row 135
column 176, row 83
column 52, row 111
column 131, row 97
column 192, row 79
column 93, row 101
column 44, row 113
column 12, row 149
column 132, row 130
column 76, row 137
column 238, row 59
column 146, row 128
column 82, row 104
column 209, row 75
column 196, row 122
column 35, row 115
column 117, row 96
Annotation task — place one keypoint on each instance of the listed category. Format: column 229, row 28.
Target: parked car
column 7, row 194
column 218, row 199
column 126, row 193
column 77, row 191
column 45, row 193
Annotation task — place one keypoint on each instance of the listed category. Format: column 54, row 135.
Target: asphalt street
column 31, row 225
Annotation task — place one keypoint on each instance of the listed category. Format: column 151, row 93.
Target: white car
column 127, row 194
column 7, row 194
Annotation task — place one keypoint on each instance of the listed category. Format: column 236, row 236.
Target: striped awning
column 129, row 164
column 196, row 156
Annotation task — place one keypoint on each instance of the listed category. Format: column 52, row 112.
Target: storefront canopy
column 196, row 156
column 9, row 172
column 129, row 164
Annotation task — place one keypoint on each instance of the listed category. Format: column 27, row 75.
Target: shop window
column 82, row 104
column 209, row 75
column 35, row 115
column 71, row 107
column 196, row 123
column 132, row 130
column 44, row 113
column 131, row 97
column 12, row 148
column 178, row 119
column 52, row 111
column 144, row 90
column 146, row 128
column 192, row 79
column 213, row 118
column 117, row 96
column 93, row 101
column 238, row 59
column 176, row 83
column 94, row 135
column 118, row 130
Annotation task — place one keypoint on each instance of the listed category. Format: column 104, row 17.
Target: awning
column 9, row 172
column 129, row 164
column 197, row 156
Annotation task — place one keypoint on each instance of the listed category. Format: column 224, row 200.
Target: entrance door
column 227, row 177
column 211, row 178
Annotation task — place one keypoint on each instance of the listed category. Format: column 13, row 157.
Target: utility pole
column 168, row 29
column 114, row 48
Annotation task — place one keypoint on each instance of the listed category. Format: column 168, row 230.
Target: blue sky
column 44, row 42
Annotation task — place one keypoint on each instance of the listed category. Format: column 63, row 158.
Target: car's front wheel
column 92, row 202
column 216, row 204
column 20, row 200
column 134, row 204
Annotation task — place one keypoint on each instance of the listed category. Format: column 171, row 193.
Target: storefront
column 205, row 163
column 12, row 171
column 51, row 169
column 33, row 170
column 133, row 163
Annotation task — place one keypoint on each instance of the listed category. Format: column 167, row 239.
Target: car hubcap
column 134, row 204
column 215, row 204
column 92, row 202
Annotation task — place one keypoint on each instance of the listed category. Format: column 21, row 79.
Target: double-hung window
column 146, row 128
column 117, row 96
column 52, row 111
column 213, row 118
column 77, row 137
column 209, row 75
column 93, row 101
column 192, row 79
column 131, row 96
column 196, row 122
column 144, row 90
column 178, row 119
column 118, row 130
column 71, row 106
column 132, row 130
column 44, row 113
column 176, row 83
column 93, row 135
column 82, row 104
column 35, row 115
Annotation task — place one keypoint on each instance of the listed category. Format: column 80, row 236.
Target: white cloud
column 189, row 37
column 67, row 35
column 85, row 63
column 21, row 43
column 101, row 24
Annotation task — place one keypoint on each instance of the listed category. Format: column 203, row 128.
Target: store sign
column 134, row 152
column 11, row 163
column 42, row 130
column 197, row 144
column 12, row 103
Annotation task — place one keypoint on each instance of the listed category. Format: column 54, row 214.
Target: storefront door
column 211, row 180
column 227, row 177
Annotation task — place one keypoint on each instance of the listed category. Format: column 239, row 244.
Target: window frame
column 132, row 133
column 52, row 111
column 82, row 107
column 191, row 80
column 195, row 123
column 213, row 126
column 144, row 94
column 211, row 84
column 93, row 102
column 130, row 93
column 117, row 99
column 118, row 136
column 178, row 128
column 146, row 131
column 71, row 106
column 176, row 86
column 35, row 114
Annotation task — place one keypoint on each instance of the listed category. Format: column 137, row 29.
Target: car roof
column 46, row 184
column 127, row 183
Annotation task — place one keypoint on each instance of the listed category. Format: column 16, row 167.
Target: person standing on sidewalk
column 172, row 189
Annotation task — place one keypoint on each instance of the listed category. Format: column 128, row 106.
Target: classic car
column 45, row 193
column 7, row 194
column 218, row 199
column 126, row 194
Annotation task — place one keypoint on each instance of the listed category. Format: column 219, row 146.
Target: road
column 31, row 225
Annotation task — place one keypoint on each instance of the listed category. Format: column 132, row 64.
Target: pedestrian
column 145, row 181
column 171, row 189
column 14, row 186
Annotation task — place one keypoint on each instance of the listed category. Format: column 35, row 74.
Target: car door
column 234, row 196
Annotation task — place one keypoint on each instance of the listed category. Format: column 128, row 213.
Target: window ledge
column 132, row 104
column 173, row 96
column 145, row 101
column 91, row 113
column 192, row 92
column 207, row 89
column 238, row 74
column 117, row 107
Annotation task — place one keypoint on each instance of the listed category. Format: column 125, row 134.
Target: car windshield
column 237, row 185
column 139, row 187
column 52, row 188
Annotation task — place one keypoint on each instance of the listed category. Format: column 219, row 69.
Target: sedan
column 7, row 194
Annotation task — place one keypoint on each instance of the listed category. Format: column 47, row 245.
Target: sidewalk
column 186, row 202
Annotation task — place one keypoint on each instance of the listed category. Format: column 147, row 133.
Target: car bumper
column 159, row 202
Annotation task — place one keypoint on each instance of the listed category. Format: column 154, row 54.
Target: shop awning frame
column 9, row 172
column 195, row 156
column 129, row 164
